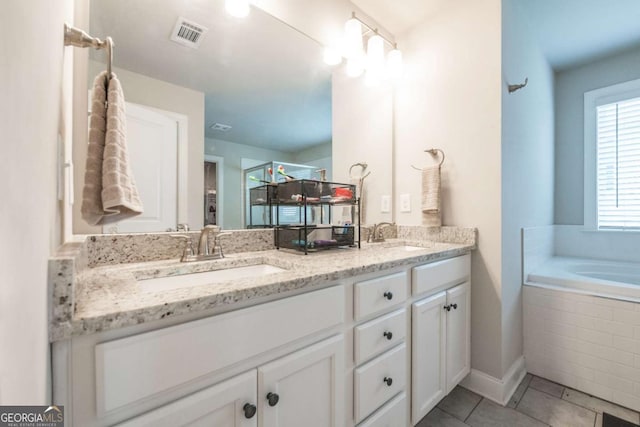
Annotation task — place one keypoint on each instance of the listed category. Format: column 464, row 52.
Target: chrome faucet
column 204, row 251
column 203, row 241
column 375, row 235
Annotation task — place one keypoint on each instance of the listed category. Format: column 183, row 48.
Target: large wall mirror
column 249, row 91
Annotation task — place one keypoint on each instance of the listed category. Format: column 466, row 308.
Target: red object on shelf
column 344, row 192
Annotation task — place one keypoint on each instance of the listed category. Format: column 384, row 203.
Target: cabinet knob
column 249, row 410
column 388, row 381
column 388, row 335
column 388, row 295
column 273, row 399
column 447, row 307
column 455, row 306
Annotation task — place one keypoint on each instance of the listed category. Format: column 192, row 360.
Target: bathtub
column 609, row 279
column 581, row 326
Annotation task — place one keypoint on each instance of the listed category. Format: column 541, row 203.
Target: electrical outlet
column 405, row 203
column 385, row 204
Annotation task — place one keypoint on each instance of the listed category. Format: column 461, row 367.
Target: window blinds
column 618, row 165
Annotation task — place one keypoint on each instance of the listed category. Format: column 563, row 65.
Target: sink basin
column 412, row 248
column 206, row 278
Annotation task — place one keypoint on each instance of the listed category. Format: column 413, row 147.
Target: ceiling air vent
column 220, row 127
column 188, row 33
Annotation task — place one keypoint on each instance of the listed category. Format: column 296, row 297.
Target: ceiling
column 569, row 32
column 400, row 15
column 572, row 32
column 259, row 75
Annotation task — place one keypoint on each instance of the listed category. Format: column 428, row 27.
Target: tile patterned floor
column 536, row 403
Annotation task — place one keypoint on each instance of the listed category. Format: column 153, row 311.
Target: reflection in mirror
column 249, row 91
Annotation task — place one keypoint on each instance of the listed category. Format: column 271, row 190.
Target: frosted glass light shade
column 375, row 54
column 332, row 56
column 352, row 38
column 355, row 66
column 394, row 64
column 237, row 8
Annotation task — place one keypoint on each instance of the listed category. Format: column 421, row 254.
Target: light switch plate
column 405, row 203
column 385, row 204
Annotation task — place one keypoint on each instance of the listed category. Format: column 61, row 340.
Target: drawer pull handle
column 273, row 399
column 249, row 410
column 388, row 335
column 388, row 381
column 455, row 306
column 388, row 295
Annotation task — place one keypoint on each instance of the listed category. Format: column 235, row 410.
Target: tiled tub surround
column 586, row 342
column 87, row 300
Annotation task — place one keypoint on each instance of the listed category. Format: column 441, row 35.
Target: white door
column 428, row 346
column 305, row 388
column 231, row 403
column 152, row 140
column 458, row 334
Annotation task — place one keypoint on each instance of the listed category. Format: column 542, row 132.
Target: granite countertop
column 110, row 297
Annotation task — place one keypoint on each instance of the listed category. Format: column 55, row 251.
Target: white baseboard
column 498, row 390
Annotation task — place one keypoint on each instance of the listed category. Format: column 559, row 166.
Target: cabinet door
column 305, row 388
column 458, row 334
column 428, row 382
column 230, row 404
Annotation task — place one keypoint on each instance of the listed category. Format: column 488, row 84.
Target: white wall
column 155, row 93
column 233, row 153
column 363, row 133
column 527, row 162
column 450, row 99
column 571, row 85
column 31, row 57
column 318, row 155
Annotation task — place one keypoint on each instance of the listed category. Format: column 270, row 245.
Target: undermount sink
column 409, row 248
column 206, row 278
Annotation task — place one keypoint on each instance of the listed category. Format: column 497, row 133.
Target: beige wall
column 450, row 99
column 363, row 133
column 144, row 90
column 31, row 58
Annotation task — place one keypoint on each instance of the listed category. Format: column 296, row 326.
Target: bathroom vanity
column 369, row 337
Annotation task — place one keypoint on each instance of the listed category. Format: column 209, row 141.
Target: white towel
column 109, row 193
column 431, row 215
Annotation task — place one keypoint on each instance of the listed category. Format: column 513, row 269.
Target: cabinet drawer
column 137, row 367
column 441, row 274
column 379, row 334
column 370, row 388
column 379, row 294
column 393, row 414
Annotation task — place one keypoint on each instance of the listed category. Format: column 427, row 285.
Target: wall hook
column 513, row 88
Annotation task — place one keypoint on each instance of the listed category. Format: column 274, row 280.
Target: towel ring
column 363, row 175
column 433, row 152
column 109, row 43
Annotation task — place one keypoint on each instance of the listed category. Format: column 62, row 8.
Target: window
column 612, row 157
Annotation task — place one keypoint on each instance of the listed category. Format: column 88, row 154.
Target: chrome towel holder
column 78, row 38
column 434, row 152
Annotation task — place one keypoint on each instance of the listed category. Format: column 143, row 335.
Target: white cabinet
column 428, row 385
column 230, row 403
column 458, row 359
column 304, row 388
column 440, row 347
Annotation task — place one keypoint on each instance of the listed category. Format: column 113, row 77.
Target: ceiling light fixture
column 237, row 8
column 373, row 61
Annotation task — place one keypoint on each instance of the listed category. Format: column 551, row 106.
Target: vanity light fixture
column 237, row 8
column 373, row 60
column 394, row 63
